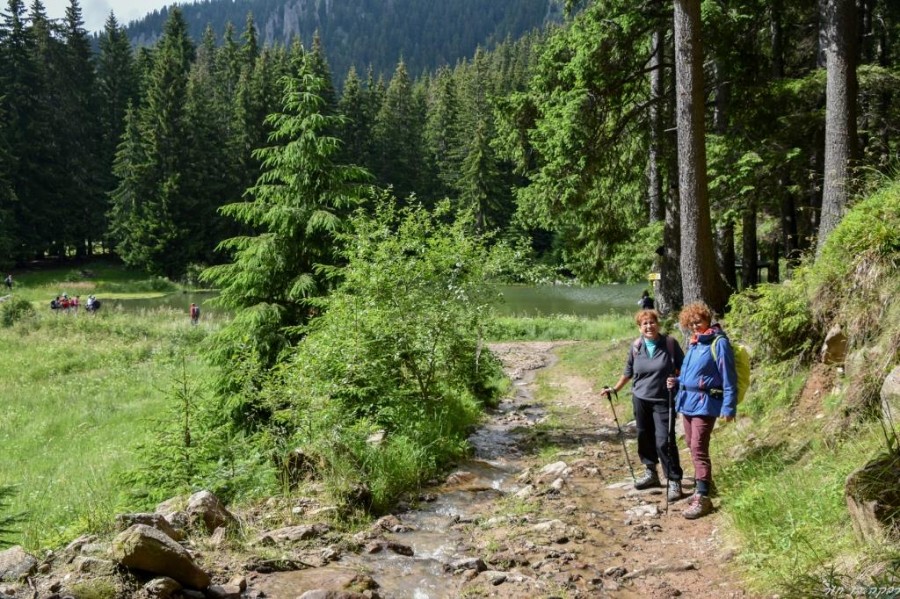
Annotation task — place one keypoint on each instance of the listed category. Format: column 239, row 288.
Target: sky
column 95, row 12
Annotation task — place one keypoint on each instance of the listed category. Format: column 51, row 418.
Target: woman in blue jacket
column 707, row 390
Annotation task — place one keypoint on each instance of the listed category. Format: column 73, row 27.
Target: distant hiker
column 54, row 303
column 93, row 304
column 195, row 313
column 74, row 303
column 9, row 282
column 652, row 358
column 646, row 302
column 707, row 390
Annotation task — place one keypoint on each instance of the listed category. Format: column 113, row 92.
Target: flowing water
column 437, row 536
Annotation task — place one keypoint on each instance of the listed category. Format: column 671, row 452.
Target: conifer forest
column 699, row 139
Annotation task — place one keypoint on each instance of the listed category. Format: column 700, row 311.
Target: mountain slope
column 366, row 33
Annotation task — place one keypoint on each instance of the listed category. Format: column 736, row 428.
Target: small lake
column 569, row 300
column 518, row 300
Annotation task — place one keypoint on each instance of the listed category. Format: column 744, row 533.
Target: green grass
column 552, row 328
column 79, row 393
column 786, row 508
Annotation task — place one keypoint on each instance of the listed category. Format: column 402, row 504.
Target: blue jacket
column 708, row 387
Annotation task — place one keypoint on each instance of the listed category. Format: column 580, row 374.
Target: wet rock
column 145, row 548
column 162, row 588
column 552, row 472
column 293, row 534
column 206, row 509
column 469, row 563
column 398, row 548
column 156, row 520
column 16, row 563
column 267, row 566
column 391, row 523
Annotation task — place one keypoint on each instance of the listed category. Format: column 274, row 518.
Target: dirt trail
column 508, row 524
column 631, row 546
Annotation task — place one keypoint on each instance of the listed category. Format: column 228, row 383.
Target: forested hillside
column 367, row 33
column 575, row 140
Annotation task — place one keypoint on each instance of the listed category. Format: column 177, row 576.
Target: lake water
column 574, row 301
column 518, row 300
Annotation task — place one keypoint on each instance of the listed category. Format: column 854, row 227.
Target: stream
column 435, row 530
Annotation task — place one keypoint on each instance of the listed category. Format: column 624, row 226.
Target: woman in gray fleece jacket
column 652, row 358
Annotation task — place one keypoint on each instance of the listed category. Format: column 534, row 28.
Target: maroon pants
column 697, row 431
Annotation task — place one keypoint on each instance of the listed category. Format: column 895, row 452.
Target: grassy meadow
column 80, row 392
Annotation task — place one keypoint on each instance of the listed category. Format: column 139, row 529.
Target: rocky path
column 518, row 521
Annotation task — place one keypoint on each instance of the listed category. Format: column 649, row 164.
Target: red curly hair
column 693, row 312
column 642, row 314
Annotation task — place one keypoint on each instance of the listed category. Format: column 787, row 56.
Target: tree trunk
column 654, row 158
column 789, row 231
column 776, row 36
column 840, row 113
column 773, row 275
column 700, row 278
column 749, row 249
column 725, row 252
column 669, row 296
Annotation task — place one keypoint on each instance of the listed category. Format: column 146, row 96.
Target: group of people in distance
column 66, row 304
column 701, row 385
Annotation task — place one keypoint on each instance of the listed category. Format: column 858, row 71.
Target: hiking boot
column 649, row 479
column 674, row 492
column 699, row 506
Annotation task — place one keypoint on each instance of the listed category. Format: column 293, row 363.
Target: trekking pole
column 670, row 435
column 609, row 393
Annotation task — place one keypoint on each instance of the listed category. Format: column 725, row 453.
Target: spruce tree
column 293, row 212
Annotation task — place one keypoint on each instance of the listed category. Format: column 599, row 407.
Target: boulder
column 155, row 520
column 890, row 398
column 162, row 588
column 873, row 499
column 16, row 564
column 206, row 509
column 834, row 349
column 143, row 547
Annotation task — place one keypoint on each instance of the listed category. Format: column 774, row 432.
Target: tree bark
column 700, row 278
column 654, row 158
column 749, row 248
column 725, row 252
column 776, row 36
column 840, row 113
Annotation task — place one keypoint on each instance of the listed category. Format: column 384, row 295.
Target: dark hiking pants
column 656, row 438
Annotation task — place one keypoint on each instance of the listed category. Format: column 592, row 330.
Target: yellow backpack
column 741, row 365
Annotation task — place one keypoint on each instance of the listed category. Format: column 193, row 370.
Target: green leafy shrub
column 15, row 309
column 775, row 320
column 389, row 379
column 854, row 278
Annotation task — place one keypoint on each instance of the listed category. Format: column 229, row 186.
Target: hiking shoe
column 674, row 492
column 649, row 479
column 699, row 506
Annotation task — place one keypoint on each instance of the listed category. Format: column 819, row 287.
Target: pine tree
column 117, row 87
column 293, row 211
